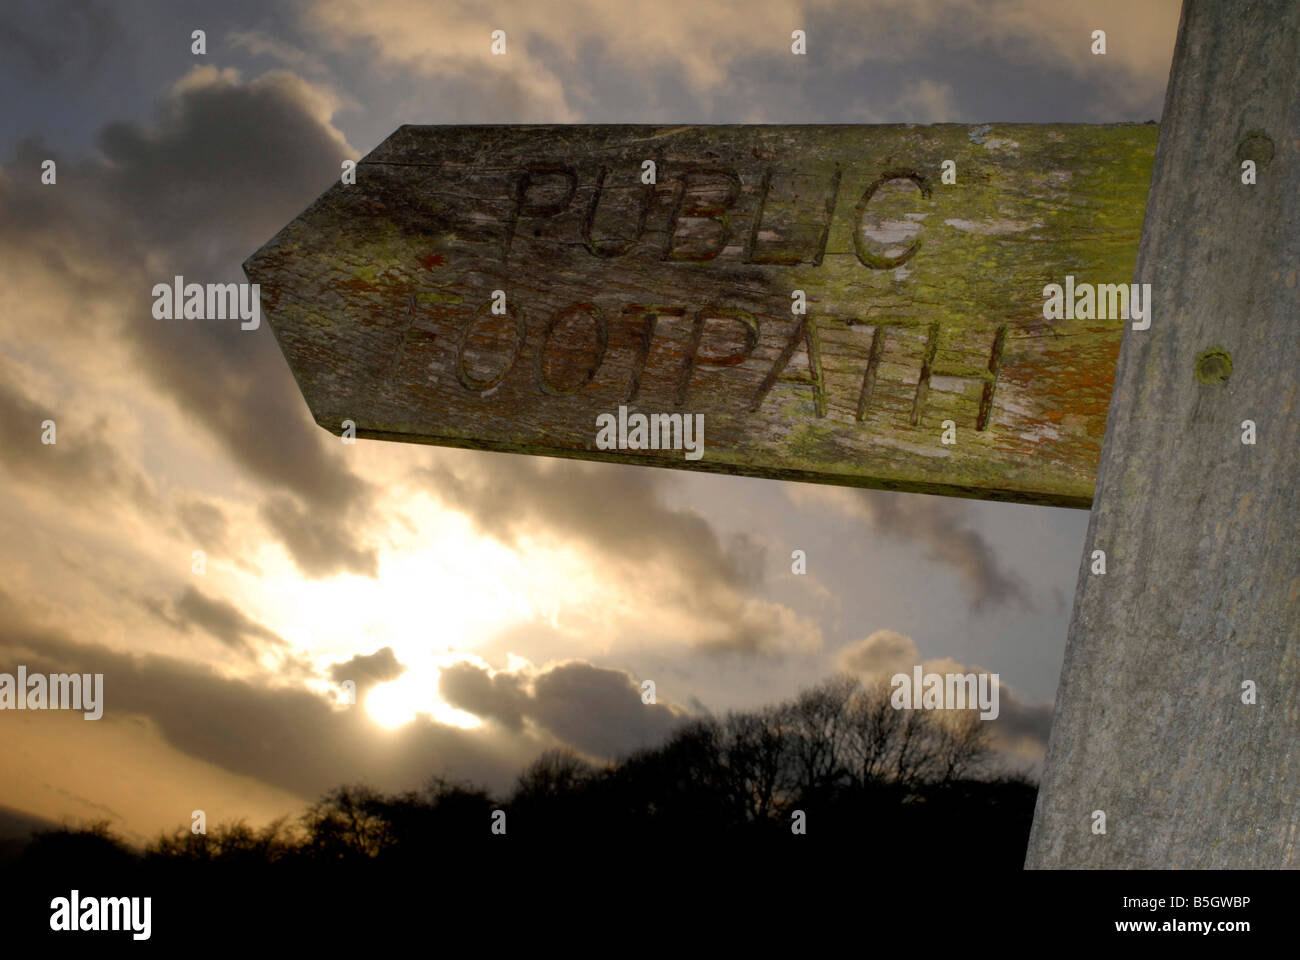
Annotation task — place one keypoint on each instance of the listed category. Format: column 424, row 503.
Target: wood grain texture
column 924, row 299
column 1202, row 589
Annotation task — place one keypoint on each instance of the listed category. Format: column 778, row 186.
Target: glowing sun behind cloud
column 442, row 593
column 396, row 703
column 447, row 588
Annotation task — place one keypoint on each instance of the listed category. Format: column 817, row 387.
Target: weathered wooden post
column 1156, row 727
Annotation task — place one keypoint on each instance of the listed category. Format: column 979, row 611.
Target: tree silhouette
column 819, row 723
column 756, row 755
column 230, row 843
column 898, row 782
column 349, row 822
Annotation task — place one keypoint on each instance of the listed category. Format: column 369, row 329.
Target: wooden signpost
column 922, row 300
column 866, row 306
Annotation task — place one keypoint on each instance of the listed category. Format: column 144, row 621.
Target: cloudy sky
column 476, row 638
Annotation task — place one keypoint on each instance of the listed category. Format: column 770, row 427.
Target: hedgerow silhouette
column 908, row 783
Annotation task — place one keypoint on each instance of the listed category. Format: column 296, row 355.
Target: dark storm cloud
column 218, row 618
column 80, row 464
column 318, row 548
column 368, row 669
column 942, row 527
column 594, row 709
column 226, row 165
column 471, row 688
column 223, row 168
column 283, row 736
column 52, row 37
column 224, row 621
column 598, row 710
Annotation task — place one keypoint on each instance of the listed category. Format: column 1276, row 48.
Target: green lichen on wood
column 435, row 220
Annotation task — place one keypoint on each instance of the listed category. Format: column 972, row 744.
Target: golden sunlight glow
column 447, row 589
column 392, row 705
column 395, row 704
column 440, row 594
